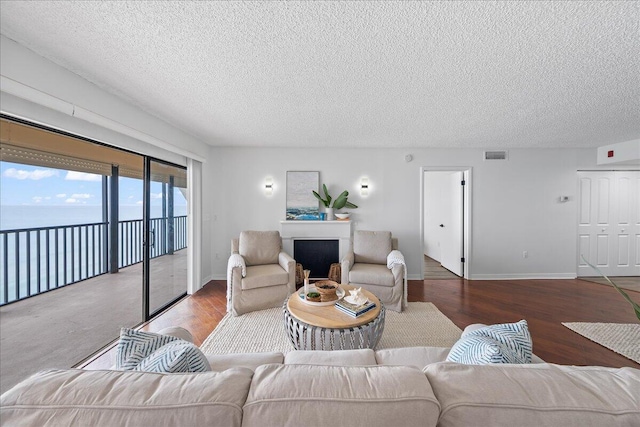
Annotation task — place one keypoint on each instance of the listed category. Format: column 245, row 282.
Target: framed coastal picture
column 301, row 203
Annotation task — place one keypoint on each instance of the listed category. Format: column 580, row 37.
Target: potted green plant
column 338, row 203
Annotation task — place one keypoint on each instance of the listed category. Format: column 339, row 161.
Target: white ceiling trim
column 36, row 96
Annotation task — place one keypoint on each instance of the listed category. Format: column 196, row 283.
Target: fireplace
column 316, row 244
column 316, row 255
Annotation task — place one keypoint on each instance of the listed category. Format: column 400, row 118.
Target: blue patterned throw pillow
column 149, row 352
column 473, row 350
column 504, row 343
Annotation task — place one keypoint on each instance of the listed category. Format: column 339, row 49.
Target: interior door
column 451, row 243
column 609, row 223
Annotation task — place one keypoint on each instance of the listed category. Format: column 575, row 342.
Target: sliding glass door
column 92, row 239
column 166, row 219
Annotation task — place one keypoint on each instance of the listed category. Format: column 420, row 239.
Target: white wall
column 515, row 202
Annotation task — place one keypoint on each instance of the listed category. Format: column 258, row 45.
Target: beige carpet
column 421, row 324
column 623, row 338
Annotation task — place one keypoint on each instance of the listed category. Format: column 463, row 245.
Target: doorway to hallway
column 445, row 221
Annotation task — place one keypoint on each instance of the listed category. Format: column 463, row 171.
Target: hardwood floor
column 543, row 303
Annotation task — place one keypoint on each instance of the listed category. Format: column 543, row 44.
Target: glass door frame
column 147, row 233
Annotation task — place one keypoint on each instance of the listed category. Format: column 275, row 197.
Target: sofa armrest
column 287, row 262
column 345, row 267
column 178, row 332
column 236, row 261
column 395, row 263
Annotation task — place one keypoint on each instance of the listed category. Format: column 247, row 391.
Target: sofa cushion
column 418, row 357
column 263, row 276
column 221, row 362
column 112, row 398
column 151, row 352
column 306, row 395
column 360, row 357
column 371, row 274
column 502, row 343
column 260, row 247
column 371, row 247
column 535, row 395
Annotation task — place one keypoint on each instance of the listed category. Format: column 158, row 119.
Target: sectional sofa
column 411, row 386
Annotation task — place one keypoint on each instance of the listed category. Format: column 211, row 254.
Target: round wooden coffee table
column 326, row 328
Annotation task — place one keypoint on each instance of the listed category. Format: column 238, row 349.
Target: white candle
column 306, row 282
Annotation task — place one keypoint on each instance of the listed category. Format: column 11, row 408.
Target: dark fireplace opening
column 316, row 255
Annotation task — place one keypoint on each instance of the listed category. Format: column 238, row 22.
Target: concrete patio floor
column 61, row 328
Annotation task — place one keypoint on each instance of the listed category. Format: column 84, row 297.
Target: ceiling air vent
column 495, row 155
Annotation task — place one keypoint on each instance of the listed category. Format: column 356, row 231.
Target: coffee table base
column 309, row 337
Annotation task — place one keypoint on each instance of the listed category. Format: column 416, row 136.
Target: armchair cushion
column 260, row 247
column 371, row 247
column 262, row 276
column 373, row 274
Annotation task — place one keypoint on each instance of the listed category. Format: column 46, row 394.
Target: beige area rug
column 623, row 338
column 421, row 324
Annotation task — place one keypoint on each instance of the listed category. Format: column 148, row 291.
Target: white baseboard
column 524, row 276
column 473, row 277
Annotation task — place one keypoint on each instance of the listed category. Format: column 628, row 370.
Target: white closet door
column 626, row 229
column 609, row 223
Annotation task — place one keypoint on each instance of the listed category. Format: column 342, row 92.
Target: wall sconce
column 364, row 187
column 268, row 186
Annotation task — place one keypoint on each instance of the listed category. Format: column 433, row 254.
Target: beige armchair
column 375, row 264
column 259, row 274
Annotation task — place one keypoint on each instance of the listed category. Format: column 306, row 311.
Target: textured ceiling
column 357, row 74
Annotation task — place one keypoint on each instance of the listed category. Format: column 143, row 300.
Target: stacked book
column 354, row 310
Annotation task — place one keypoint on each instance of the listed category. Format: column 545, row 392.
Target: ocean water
column 32, row 216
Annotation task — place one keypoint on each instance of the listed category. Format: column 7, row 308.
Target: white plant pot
column 329, row 212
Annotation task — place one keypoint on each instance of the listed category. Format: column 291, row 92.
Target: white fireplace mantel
column 316, row 230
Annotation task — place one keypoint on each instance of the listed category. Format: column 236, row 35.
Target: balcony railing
column 36, row 260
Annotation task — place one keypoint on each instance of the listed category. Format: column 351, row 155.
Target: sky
column 26, row 185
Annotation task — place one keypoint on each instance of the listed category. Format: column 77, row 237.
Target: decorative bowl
column 326, row 286
column 339, row 294
column 342, row 215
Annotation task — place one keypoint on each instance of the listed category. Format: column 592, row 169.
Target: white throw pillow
column 149, row 352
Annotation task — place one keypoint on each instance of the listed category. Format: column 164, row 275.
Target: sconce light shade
column 364, row 186
column 268, row 186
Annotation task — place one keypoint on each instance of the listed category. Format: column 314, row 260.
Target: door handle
column 441, row 225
